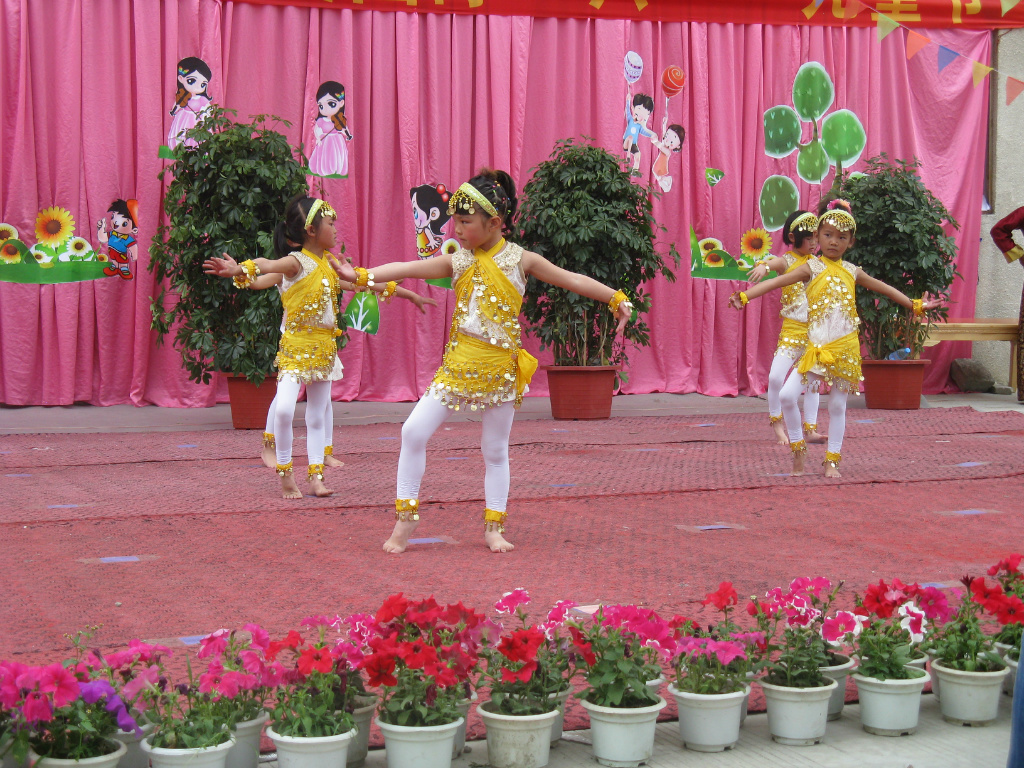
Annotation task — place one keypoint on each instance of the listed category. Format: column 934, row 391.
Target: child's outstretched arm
column 899, row 297
column 225, row 266
column 536, row 265
column 800, row 274
column 263, row 282
column 427, row 269
column 421, row 302
column 775, row 264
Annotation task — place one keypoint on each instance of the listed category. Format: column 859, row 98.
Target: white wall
column 1000, row 284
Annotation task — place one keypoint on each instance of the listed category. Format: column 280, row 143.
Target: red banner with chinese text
column 929, row 14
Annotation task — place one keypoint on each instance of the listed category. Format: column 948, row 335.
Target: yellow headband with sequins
column 469, row 196
column 840, row 219
column 806, row 222
column 316, row 206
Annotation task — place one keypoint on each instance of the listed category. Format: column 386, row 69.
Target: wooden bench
column 978, row 329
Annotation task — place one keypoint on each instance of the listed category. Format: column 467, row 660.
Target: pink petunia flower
column 512, row 600
column 560, row 612
column 60, row 682
column 834, row 630
column 36, row 708
column 147, row 678
column 913, row 621
column 214, row 644
column 260, row 636
column 726, row 651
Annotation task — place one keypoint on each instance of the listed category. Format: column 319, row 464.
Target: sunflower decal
column 9, row 253
column 715, row 258
column 756, row 244
column 709, row 244
column 78, row 248
column 8, row 232
column 54, row 226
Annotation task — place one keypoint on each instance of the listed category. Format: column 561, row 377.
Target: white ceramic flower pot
column 969, row 698
column 709, row 722
column 246, row 752
column 890, row 707
column 839, row 673
column 517, row 741
column 360, row 744
column 797, row 716
column 746, row 700
column 459, row 743
column 1009, row 680
column 103, row 761
column 654, row 686
column 208, row 757
column 311, row 751
column 935, row 678
column 556, row 724
column 426, row 747
column 918, row 662
column 134, row 757
column 623, row 737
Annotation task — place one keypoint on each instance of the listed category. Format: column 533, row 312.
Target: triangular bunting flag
column 915, row 42
column 1014, row 88
column 811, row 9
column 853, row 7
column 886, row 25
column 818, row 2
column 946, row 57
column 1008, row 5
column 979, row 72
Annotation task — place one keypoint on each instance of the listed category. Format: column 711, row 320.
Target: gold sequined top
column 832, row 302
column 794, row 297
column 504, row 329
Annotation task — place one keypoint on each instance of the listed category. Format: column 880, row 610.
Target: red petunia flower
column 581, row 645
column 1009, row 564
column 318, row 659
column 394, row 607
column 522, row 675
column 1009, row 609
column 982, row 593
column 521, row 645
column 380, row 669
column 425, row 613
column 417, row 654
column 723, row 597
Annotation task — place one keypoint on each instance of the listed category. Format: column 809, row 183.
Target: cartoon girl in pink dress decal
column 329, row 157
column 190, row 100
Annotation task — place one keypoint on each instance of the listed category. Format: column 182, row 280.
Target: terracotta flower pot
column 893, row 385
column 249, row 403
column 581, row 391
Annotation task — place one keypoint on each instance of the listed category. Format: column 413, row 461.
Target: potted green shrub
column 583, row 212
column 226, row 195
column 901, row 240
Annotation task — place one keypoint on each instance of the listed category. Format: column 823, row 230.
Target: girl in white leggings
column 485, row 367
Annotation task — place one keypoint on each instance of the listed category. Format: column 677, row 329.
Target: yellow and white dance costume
column 308, row 354
column 484, row 368
column 833, row 350
column 792, row 342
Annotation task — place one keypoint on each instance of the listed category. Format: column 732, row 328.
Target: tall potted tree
column 225, row 195
column 582, row 211
column 902, row 240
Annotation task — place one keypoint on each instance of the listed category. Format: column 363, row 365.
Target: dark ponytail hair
column 499, row 188
column 292, row 231
column 797, row 240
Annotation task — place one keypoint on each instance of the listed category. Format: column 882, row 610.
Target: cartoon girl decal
column 429, row 214
column 330, row 155
column 190, row 100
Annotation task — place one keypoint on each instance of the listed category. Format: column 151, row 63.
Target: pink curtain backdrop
column 86, row 89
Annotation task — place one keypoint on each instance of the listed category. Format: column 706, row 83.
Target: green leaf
column 781, row 131
column 813, row 92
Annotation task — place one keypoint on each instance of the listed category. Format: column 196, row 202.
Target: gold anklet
column 810, row 427
column 774, row 419
column 284, row 469
column 832, row 460
column 268, row 440
column 329, row 450
column 315, row 470
column 800, row 446
column 494, row 520
column 407, row 510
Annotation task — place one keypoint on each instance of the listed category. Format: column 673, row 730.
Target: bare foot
column 319, row 489
column 497, row 542
column 781, row 438
column 400, row 536
column 330, row 461
column 269, row 456
column 799, row 459
column 815, row 437
column 831, row 471
column 289, row 488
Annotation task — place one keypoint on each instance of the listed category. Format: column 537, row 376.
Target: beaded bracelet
column 918, row 307
column 389, row 291
column 617, row 298
column 364, row 278
column 249, row 274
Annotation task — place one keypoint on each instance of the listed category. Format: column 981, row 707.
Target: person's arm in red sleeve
column 1002, row 235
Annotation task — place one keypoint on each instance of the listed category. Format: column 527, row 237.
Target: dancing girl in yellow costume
column 833, row 350
column 799, row 233
column 485, row 367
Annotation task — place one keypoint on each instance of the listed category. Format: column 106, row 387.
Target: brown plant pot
column 249, row 403
column 893, row 385
column 581, row 391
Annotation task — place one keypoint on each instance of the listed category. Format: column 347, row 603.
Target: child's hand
column 422, row 301
column 735, row 302
column 624, row 312
column 344, row 270
column 757, row 274
column 930, row 303
column 222, row 267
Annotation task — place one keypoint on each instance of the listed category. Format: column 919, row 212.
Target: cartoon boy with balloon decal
column 638, row 111
column 672, row 136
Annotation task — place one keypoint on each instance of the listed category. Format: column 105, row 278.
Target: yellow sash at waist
column 793, row 334
column 310, row 353
column 837, row 358
column 479, row 374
